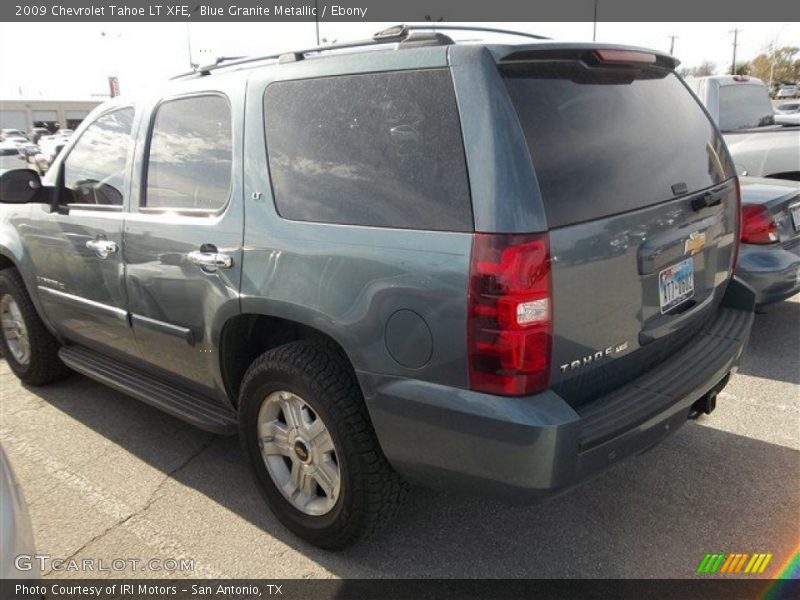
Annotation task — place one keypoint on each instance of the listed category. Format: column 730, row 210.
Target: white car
column 759, row 144
column 16, row 140
column 788, row 91
column 788, row 113
column 6, row 133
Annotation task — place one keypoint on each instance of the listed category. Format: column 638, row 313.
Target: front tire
column 307, row 435
column 29, row 348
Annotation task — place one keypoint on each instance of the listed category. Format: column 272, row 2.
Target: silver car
column 16, row 535
column 788, row 91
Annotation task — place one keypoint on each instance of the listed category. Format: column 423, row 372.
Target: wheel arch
column 246, row 336
column 10, row 259
column 5, row 261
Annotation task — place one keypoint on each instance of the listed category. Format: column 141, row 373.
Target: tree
column 702, row 70
column 743, row 68
column 778, row 64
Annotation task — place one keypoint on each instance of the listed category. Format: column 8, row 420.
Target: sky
column 64, row 61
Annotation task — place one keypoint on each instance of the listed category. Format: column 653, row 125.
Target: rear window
column 382, row 149
column 606, row 141
column 744, row 106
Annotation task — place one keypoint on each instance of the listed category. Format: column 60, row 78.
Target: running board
column 201, row 411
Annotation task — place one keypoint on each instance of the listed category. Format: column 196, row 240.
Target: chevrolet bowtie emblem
column 694, row 243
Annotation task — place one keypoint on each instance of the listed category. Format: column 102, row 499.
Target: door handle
column 210, row 261
column 103, row 248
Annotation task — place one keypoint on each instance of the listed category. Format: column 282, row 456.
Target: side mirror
column 19, row 186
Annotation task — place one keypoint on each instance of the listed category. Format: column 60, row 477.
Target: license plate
column 676, row 284
column 796, row 217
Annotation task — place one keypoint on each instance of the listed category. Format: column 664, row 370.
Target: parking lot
column 108, row 477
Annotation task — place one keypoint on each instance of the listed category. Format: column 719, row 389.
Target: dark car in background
column 769, row 257
column 487, row 267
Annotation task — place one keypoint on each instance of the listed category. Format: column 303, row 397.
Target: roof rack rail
column 398, row 34
column 438, row 27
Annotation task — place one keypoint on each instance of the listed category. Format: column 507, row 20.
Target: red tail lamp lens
column 510, row 314
column 758, row 226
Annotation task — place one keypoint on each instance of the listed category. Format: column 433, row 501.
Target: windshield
column 744, row 107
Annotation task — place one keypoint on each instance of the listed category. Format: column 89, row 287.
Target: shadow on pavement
column 775, row 333
column 656, row 515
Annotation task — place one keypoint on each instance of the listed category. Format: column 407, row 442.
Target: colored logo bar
column 737, row 562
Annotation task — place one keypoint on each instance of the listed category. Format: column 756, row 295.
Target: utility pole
column 735, row 33
column 594, row 28
column 672, row 39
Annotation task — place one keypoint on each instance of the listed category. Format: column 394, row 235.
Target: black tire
column 371, row 491
column 44, row 365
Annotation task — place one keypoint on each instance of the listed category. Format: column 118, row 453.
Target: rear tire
column 35, row 361
column 318, row 380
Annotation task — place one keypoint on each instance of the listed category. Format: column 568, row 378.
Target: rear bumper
column 536, row 446
column 772, row 272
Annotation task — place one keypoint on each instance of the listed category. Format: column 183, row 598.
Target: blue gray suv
column 495, row 267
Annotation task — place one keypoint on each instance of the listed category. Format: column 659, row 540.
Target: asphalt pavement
column 107, row 477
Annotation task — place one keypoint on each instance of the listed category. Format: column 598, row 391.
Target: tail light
column 737, row 241
column 758, row 226
column 510, row 314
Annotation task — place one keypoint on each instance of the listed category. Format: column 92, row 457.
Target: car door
column 183, row 238
column 76, row 249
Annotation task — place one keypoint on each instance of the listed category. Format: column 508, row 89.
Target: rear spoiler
column 591, row 54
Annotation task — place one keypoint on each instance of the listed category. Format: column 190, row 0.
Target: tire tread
column 382, row 489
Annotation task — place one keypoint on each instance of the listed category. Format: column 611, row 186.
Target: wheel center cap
column 301, row 450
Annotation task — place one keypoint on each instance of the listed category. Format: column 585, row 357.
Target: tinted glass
column 381, row 149
column 607, row 141
column 9, row 152
column 191, row 151
column 744, row 106
column 94, row 171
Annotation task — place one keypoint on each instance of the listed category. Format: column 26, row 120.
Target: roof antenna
column 192, row 65
column 316, row 18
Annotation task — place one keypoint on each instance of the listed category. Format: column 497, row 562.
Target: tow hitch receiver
column 704, row 406
column 707, row 404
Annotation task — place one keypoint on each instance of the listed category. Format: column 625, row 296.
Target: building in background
column 53, row 114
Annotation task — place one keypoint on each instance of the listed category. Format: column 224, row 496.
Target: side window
column 94, row 171
column 191, row 154
column 380, row 149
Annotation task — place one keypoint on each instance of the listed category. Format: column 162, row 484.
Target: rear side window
column 380, row 149
column 190, row 157
column 606, row 141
